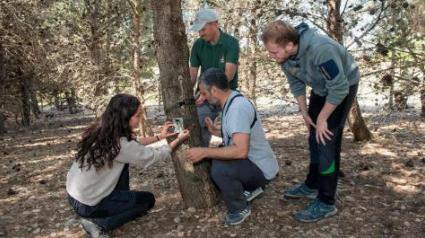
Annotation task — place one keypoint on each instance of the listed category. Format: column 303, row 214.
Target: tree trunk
column 2, row 124
column 93, row 9
column 25, row 98
column 392, row 73
column 56, row 99
column 172, row 52
column 71, row 101
column 253, row 46
column 33, row 96
column 2, row 72
column 357, row 123
column 2, row 83
column 145, row 127
column 422, row 92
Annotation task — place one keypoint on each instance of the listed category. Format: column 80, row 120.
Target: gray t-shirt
column 238, row 119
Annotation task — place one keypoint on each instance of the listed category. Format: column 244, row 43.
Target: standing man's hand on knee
column 322, row 132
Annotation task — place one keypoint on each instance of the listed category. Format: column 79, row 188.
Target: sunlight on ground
column 50, row 158
column 174, row 196
column 377, row 148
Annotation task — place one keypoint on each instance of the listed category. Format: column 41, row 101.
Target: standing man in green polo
column 213, row 49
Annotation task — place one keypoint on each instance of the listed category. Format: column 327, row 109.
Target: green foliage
column 87, row 46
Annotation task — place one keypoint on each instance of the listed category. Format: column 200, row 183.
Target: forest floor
column 382, row 192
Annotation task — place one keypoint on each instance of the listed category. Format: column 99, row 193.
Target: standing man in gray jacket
column 308, row 58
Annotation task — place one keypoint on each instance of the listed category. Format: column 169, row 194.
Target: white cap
column 203, row 17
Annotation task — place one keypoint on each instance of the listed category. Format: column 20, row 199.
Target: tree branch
column 389, row 68
column 371, row 27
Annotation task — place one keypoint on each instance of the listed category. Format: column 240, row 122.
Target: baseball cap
column 203, row 17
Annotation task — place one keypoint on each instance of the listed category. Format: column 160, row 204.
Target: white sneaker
column 94, row 230
column 250, row 195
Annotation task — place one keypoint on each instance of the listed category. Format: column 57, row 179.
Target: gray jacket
column 323, row 64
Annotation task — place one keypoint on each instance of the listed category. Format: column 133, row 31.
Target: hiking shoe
column 250, row 195
column 237, row 218
column 302, row 191
column 315, row 211
column 94, row 230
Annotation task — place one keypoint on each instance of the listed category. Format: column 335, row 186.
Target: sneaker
column 250, row 195
column 315, row 211
column 302, row 191
column 94, row 230
column 237, row 218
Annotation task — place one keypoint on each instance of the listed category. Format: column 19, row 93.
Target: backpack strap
column 227, row 109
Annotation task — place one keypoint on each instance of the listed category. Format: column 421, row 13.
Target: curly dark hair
column 100, row 142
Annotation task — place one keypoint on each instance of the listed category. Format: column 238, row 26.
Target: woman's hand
column 180, row 138
column 184, row 135
column 165, row 130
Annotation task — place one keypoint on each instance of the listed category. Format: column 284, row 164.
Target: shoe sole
column 226, row 224
column 255, row 194
column 295, row 196
column 317, row 219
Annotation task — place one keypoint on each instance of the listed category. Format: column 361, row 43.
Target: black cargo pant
column 120, row 207
column 325, row 159
column 232, row 177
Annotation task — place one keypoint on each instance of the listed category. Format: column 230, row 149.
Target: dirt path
column 381, row 195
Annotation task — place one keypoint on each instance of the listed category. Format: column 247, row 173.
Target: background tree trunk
column 357, row 124
column 71, row 101
column 196, row 187
column 355, row 120
column 56, row 98
column 33, row 96
column 145, row 127
column 2, row 84
column 422, row 92
column 253, row 51
column 25, row 98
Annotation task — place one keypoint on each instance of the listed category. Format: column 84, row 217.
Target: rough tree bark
column 172, row 52
column 355, row 119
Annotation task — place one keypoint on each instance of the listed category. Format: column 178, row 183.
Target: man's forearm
column 302, row 104
column 326, row 111
column 193, row 75
column 230, row 71
column 226, row 153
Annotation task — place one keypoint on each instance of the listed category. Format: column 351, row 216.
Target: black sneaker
column 233, row 219
column 94, row 230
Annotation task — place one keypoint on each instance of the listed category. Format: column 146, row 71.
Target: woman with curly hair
column 98, row 181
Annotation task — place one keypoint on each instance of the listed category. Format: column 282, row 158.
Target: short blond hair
column 280, row 33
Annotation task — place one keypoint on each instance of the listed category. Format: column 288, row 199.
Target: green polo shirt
column 206, row 55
